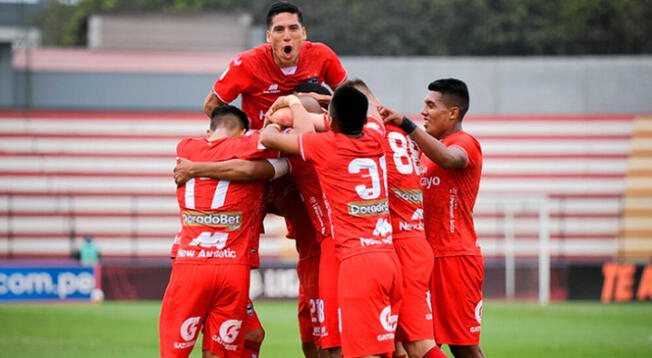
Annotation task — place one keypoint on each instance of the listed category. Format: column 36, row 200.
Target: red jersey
column 405, row 195
column 219, row 217
column 305, row 179
column 449, row 197
column 352, row 173
column 254, row 75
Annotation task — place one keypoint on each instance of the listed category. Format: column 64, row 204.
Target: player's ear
column 208, row 133
column 331, row 123
column 305, row 33
column 454, row 113
column 268, row 36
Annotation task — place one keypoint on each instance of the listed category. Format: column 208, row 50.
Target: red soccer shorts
column 213, row 296
column 456, row 287
column 250, row 323
column 308, row 272
column 251, row 320
column 327, row 315
column 415, row 316
column 369, row 291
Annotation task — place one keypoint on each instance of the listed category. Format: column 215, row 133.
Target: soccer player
column 452, row 163
column 350, row 163
column 209, row 283
column 264, row 73
column 415, row 328
column 317, row 297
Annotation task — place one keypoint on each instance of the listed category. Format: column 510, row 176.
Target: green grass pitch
column 510, row 329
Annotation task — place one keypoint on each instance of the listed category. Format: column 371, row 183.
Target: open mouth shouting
column 287, row 51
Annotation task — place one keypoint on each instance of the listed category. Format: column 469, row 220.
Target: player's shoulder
column 189, row 144
column 317, row 49
column 253, row 56
column 464, row 137
column 375, row 124
column 187, row 141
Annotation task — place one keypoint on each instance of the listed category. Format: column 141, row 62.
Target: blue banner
column 46, row 283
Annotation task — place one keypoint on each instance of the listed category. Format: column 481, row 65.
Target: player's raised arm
column 447, row 157
column 272, row 138
column 233, row 170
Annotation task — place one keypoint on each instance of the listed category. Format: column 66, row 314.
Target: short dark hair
column 311, row 87
column 360, row 85
column 454, row 93
column 281, row 7
column 220, row 115
column 349, row 108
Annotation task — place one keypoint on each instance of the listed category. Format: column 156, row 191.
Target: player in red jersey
column 210, row 275
column 415, row 327
column 264, row 73
column 317, row 311
column 350, row 164
column 452, row 164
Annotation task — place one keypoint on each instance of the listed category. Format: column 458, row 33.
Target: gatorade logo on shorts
column 229, row 330
column 478, row 312
column 189, row 328
column 388, row 320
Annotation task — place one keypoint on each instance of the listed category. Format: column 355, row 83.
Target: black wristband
column 408, row 126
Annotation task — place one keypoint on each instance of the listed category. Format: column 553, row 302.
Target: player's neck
column 220, row 133
column 456, row 128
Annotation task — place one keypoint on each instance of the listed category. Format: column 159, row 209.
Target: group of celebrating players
column 380, row 209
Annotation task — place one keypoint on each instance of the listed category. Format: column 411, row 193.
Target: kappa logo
column 418, row 214
column 189, row 328
column 229, row 330
column 383, row 227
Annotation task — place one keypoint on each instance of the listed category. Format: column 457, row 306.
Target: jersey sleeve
column 376, row 125
column 470, row 145
column 233, row 81
column 335, row 72
column 313, row 147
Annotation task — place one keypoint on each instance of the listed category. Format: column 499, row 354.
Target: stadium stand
column 65, row 175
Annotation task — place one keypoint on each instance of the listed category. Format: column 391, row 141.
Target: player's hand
column 183, row 171
column 281, row 102
column 390, row 116
column 323, row 99
column 282, row 117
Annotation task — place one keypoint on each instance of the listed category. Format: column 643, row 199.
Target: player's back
column 217, row 215
column 405, row 194
column 352, row 173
